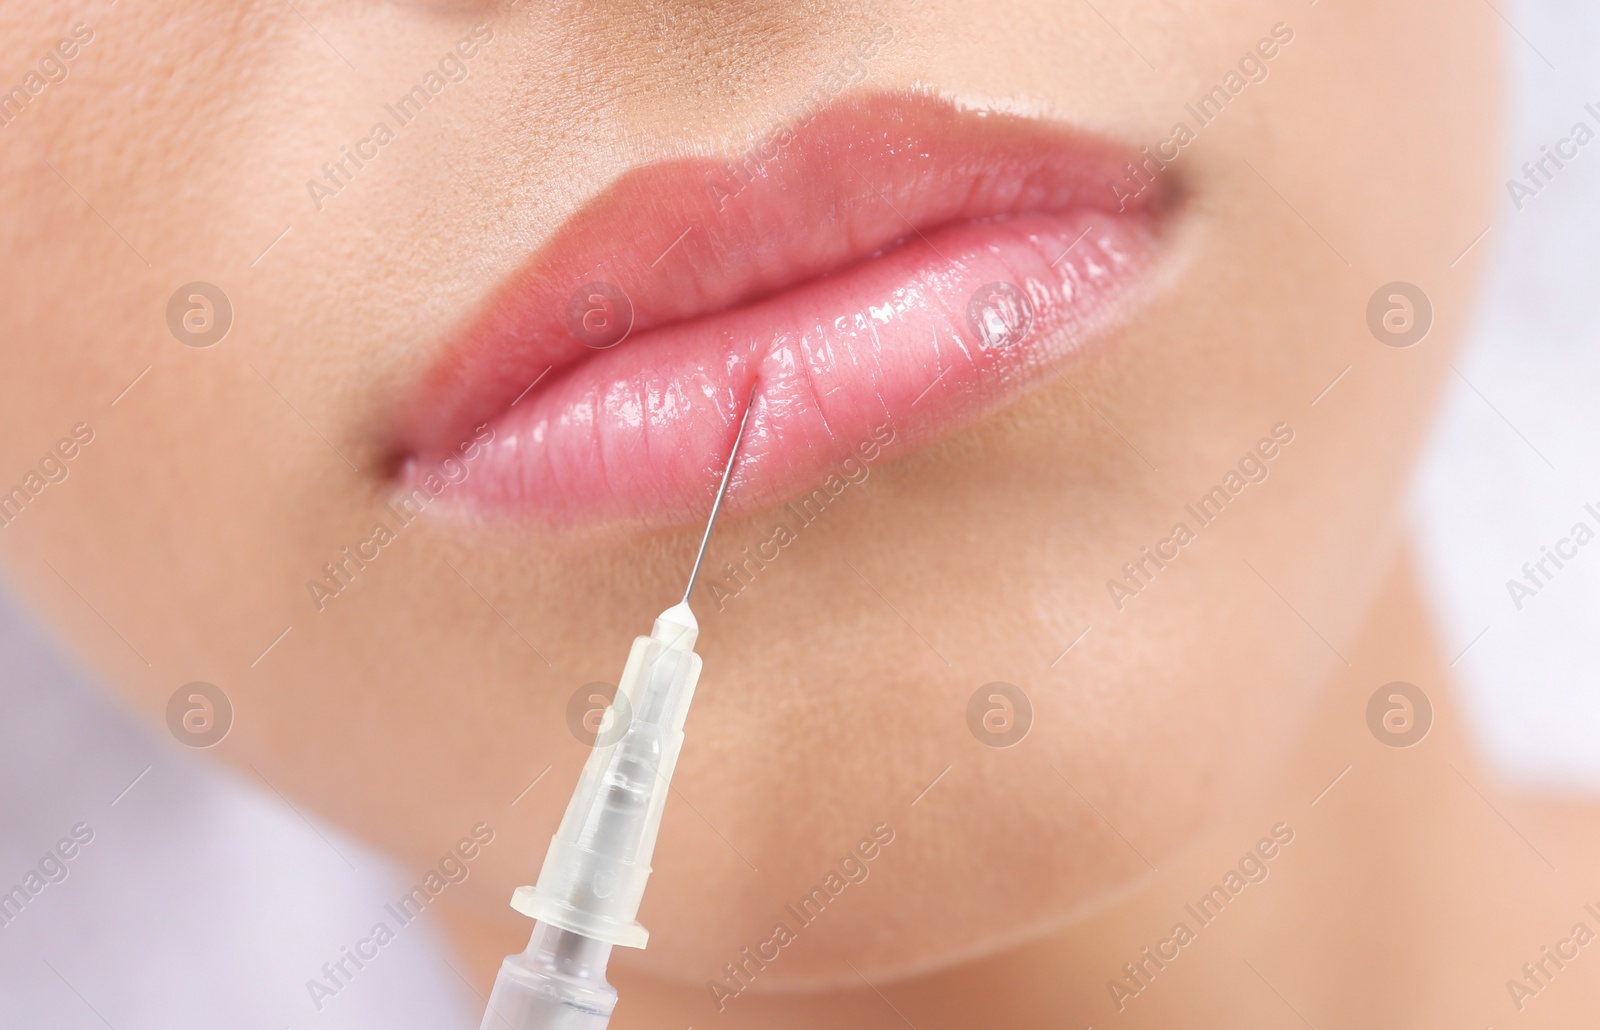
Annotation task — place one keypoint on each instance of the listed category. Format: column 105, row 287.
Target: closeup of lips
column 893, row 268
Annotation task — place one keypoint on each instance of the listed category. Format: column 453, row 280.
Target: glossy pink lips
column 893, row 266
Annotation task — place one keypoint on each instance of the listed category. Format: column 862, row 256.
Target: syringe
column 589, row 889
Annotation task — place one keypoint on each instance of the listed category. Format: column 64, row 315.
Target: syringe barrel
column 558, row 983
column 594, row 874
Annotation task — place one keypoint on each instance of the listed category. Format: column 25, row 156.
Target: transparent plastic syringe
column 587, row 898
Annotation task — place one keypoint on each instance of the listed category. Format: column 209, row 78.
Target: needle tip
column 722, row 490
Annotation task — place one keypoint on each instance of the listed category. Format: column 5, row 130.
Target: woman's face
column 1006, row 443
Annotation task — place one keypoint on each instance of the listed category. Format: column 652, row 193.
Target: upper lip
column 687, row 238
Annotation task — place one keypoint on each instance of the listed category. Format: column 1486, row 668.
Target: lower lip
column 870, row 361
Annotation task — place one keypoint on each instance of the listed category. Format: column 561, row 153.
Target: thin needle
column 716, row 505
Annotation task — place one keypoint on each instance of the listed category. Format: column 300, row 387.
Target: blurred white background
column 1516, row 454
column 205, row 893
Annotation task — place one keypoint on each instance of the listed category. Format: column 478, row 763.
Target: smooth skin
column 423, row 699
